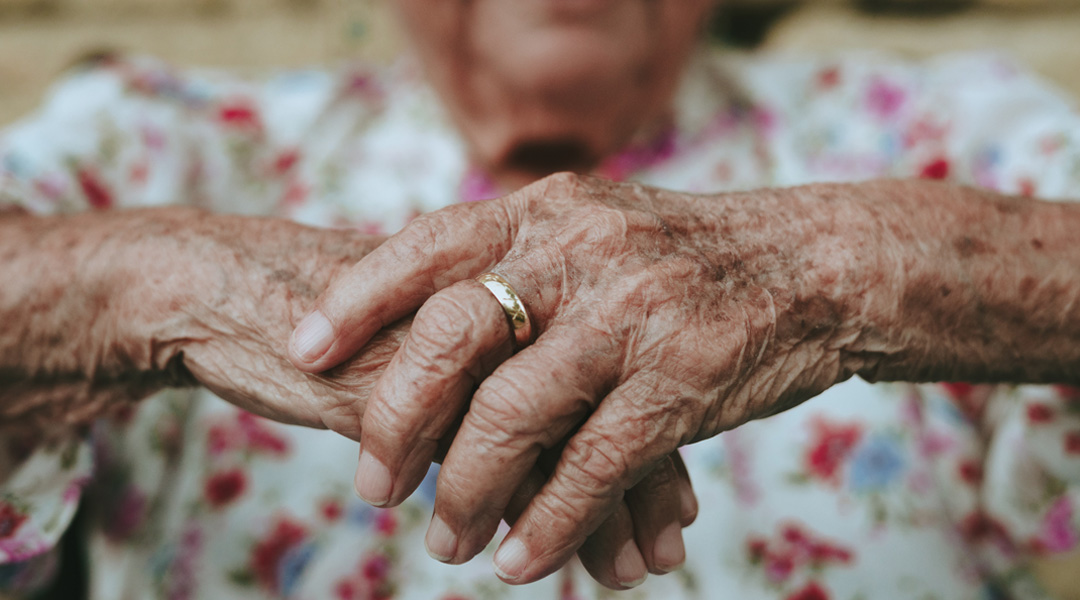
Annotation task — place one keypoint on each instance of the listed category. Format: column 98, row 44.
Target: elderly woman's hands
column 136, row 301
column 663, row 318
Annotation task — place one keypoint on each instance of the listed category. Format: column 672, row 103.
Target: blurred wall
column 1043, row 34
column 39, row 38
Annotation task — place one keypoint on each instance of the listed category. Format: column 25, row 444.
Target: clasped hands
column 660, row 319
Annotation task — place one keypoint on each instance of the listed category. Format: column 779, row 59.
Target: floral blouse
column 868, row 491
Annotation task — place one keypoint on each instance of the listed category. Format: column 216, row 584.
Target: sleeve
column 134, row 132
column 986, row 121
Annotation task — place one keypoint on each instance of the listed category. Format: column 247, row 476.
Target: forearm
column 985, row 287
column 65, row 349
column 101, row 307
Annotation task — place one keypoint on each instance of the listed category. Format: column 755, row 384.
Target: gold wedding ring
column 511, row 303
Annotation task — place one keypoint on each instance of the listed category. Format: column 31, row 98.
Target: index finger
column 432, row 252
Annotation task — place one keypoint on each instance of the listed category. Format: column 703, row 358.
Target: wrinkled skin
column 180, row 297
column 663, row 319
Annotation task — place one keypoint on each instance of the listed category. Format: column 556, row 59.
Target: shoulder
column 977, row 118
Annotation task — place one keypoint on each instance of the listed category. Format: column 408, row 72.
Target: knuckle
column 421, row 236
column 443, row 327
column 459, row 501
column 388, row 420
column 600, row 224
column 502, row 406
column 562, row 184
column 514, row 403
column 596, row 467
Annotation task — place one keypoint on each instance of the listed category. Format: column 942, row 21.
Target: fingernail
column 440, row 541
column 688, row 505
column 313, row 337
column 669, row 552
column 511, row 559
column 630, row 569
column 373, row 482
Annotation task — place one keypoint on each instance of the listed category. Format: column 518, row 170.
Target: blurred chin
column 578, row 64
column 555, row 47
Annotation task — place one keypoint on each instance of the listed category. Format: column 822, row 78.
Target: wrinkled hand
column 225, row 292
column 222, row 294
column 663, row 319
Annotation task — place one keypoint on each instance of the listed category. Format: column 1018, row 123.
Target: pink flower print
column 1052, row 144
column 970, row 472
column 376, row 567
column 240, row 115
column 50, row 187
column 1068, row 393
column 812, row 591
column 11, row 519
column 978, row 526
column 567, row 589
column 139, row 172
column 296, row 193
column 830, row 446
column 765, row 120
column 934, row 443
column 1072, row 442
column 636, row 157
column 331, row 509
column 244, row 431
column 1027, row 187
column 260, row 436
column 366, row 227
column 778, row 567
column 936, row 169
column 267, row 554
column 794, row 549
column 925, row 131
column 285, row 161
column 152, row 137
column 346, row 590
column 95, row 190
column 181, row 581
column 969, row 399
column 219, row 439
column 884, row 99
column 125, row 514
column 1058, row 533
column 225, row 487
column 742, row 472
column 385, row 522
column 370, row 581
column 365, row 86
column 1039, row 413
column 477, row 185
column 828, row 78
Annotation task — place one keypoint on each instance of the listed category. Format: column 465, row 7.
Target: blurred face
column 539, row 86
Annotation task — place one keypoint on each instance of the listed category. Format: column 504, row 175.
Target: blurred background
column 40, row 38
